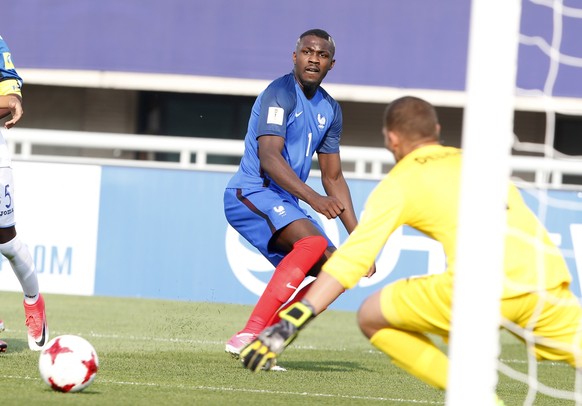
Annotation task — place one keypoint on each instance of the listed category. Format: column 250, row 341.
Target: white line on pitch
column 175, row 340
column 214, row 342
column 258, row 391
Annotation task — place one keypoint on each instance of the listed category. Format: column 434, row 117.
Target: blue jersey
column 307, row 125
column 7, row 70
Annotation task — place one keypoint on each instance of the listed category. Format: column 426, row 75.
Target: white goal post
column 487, row 136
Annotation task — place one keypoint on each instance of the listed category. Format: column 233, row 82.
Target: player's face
column 312, row 59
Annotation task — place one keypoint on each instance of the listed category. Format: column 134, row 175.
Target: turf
column 168, row 352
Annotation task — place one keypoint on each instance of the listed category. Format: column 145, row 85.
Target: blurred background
column 135, row 111
column 193, row 68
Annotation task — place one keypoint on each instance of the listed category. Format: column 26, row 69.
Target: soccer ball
column 68, row 363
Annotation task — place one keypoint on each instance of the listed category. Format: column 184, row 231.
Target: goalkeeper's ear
column 298, row 314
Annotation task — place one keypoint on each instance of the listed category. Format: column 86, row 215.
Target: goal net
column 499, row 38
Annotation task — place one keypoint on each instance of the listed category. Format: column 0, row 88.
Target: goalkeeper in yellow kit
column 422, row 191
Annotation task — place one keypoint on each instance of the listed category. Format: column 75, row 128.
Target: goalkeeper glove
column 262, row 353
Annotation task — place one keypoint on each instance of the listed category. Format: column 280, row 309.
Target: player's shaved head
column 413, row 118
column 320, row 34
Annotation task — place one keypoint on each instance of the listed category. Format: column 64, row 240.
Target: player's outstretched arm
column 11, row 104
column 335, row 185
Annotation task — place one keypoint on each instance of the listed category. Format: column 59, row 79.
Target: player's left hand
column 262, row 353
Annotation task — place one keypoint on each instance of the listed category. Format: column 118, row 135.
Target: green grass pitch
column 156, row 352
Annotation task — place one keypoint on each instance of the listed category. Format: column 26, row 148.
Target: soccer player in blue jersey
column 11, row 247
column 290, row 120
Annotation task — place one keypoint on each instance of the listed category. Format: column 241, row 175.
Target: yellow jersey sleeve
column 412, row 194
column 381, row 217
column 422, row 191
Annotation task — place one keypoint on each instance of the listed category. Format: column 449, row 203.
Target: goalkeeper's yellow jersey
column 422, row 191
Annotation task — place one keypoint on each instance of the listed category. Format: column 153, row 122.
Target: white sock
column 17, row 253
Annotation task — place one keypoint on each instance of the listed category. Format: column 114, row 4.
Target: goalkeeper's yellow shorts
column 423, row 304
column 555, row 318
column 420, row 304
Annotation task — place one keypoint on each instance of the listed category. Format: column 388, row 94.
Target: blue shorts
column 257, row 214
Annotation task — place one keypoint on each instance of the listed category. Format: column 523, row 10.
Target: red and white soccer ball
column 68, row 363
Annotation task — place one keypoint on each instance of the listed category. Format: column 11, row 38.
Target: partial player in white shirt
column 11, row 247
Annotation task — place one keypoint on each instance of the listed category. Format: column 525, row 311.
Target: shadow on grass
column 323, row 366
column 80, row 394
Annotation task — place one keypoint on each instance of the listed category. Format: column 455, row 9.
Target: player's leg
column 286, row 237
column 556, row 319
column 17, row 253
column 399, row 330
column 21, row 262
column 302, row 290
column 286, row 278
column 307, row 246
column 300, row 294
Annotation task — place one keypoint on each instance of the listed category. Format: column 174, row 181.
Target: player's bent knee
column 317, row 244
column 370, row 317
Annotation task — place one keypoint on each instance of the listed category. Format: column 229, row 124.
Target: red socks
column 286, row 279
column 276, row 319
column 298, row 297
